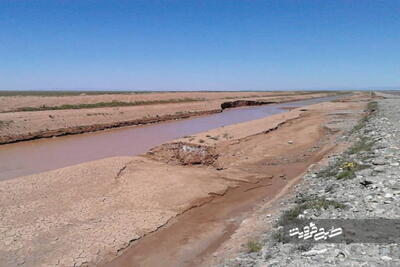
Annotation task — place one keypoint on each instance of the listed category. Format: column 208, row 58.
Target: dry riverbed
column 179, row 202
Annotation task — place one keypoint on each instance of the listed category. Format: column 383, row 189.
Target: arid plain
column 188, row 201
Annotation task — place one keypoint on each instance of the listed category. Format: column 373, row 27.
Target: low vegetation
column 254, row 246
column 5, row 123
column 98, row 114
column 303, row 247
column 343, row 168
column 213, row 137
column 364, row 144
column 307, row 203
column 371, row 107
column 67, row 93
column 303, row 203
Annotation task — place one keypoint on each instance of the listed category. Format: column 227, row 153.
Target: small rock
column 379, row 161
column 290, row 142
column 386, row 258
column 366, row 183
column 341, row 255
column 379, row 169
column 388, row 195
column 20, row 261
column 314, row 252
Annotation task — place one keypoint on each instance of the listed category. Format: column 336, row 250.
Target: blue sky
column 199, row 45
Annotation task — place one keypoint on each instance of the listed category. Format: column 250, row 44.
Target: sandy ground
column 17, row 126
column 87, row 212
column 90, row 213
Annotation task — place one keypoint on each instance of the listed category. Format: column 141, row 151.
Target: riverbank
column 48, row 121
column 362, row 182
column 92, row 212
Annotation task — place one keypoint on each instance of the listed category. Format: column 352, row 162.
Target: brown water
column 36, row 156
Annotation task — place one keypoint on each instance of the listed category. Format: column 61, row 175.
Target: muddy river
column 36, row 156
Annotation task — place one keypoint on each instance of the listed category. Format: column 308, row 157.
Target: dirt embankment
column 241, row 103
column 178, row 203
column 19, row 126
column 98, row 127
column 14, row 103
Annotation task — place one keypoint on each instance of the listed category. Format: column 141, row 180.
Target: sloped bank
column 361, row 183
column 242, row 103
column 98, row 127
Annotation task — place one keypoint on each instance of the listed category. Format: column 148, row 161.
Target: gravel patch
column 361, row 183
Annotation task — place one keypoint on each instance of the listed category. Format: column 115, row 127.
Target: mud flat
column 179, row 202
column 64, row 115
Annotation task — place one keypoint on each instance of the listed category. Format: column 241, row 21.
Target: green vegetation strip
column 291, row 216
column 345, row 168
column 371, row 107
column 307, row 203
column 67, row 93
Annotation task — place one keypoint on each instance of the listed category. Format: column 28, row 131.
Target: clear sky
column 199, row 45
